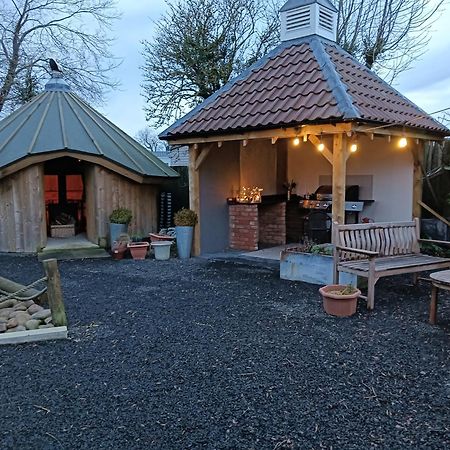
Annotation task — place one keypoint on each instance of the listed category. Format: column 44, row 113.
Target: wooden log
column 10, row 286
column 55, row 298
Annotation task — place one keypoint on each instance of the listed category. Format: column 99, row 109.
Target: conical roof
column 58, row 120
column 310, row 80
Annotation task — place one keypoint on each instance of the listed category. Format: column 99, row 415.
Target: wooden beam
column 280, row 133
column 435, row 214
column 274, row 140
column 418, row 153
column 201, row 157
column 398, row 131
column 244, row 142
column 340, row 154
column 54, row 293
column 326, row 152
column 194, row 195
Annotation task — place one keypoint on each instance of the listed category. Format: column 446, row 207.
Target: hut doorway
column 65, row 197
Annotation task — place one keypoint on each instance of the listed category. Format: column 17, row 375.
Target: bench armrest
column 357, row 250
column 433, row 241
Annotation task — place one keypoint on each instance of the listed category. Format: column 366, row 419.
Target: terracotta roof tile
column 303, row 81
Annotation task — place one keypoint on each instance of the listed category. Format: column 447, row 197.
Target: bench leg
column 415, row 278
column 433, row 304
column 371, row 293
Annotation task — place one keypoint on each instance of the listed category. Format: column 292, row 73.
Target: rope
column 4, row 295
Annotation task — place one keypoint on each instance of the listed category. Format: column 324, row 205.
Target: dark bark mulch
column 216, row 355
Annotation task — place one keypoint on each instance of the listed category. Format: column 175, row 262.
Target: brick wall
column 272, row 224
column 244, row 232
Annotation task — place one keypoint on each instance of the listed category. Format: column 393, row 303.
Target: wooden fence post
column 54, row 293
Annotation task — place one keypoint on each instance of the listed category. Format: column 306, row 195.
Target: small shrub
column 121, row 215
column 185, row 218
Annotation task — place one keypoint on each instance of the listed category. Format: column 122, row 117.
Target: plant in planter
column 118, row 223
column 120, row 246
column 185, row 220
column 311, row 263
column 340, row 300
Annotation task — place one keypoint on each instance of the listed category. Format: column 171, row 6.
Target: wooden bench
column 376, row 250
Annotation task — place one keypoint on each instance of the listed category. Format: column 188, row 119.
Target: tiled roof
column 309, row 80
column 58, row 120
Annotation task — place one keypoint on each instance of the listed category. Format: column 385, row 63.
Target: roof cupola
column 301, row 18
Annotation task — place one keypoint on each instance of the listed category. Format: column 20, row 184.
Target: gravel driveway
column 219, row 355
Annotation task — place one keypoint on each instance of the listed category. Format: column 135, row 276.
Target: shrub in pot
column 340, row 300
column 185, row 220
column 118, row 223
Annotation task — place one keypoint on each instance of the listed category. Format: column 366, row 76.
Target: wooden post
column 55, row 298
column 417, row 153
column 194, row 194
column 340, row 154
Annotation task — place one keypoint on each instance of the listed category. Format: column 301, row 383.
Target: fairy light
column 296, row 140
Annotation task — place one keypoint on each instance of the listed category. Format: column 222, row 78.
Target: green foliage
column 430, row 248
column 185, row 218
column 121, row 215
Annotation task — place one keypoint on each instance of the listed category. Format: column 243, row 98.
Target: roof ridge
column 337, row 86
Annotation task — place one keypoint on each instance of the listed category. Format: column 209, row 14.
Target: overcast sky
column 427, row 83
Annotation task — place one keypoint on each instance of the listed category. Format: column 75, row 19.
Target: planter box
column 311, row 268
column 62, row 231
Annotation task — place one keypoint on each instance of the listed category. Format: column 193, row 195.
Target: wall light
column 296, row 140
column 354, row 147
column 403, row 142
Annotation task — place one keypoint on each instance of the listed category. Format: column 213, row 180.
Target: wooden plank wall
column 22, row 211
column 111, row 191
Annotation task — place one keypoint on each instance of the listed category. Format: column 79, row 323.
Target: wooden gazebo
column 307, row 97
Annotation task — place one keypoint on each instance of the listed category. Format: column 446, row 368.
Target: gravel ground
column 219, row 355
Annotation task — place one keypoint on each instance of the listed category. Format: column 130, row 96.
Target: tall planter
column 115, row 230
column 184, row 241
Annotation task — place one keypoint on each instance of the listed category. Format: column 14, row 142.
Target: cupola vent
column 301, row 18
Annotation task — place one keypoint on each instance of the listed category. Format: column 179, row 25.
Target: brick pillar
column 244, row 230
column 272, row 224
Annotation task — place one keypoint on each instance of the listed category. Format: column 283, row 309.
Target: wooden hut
column 60, row 159
column 307, row 112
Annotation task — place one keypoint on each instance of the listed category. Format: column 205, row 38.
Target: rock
column 32, row 324
column 12, row 323
column 48, row 320
column 22, row 317
column 8, row 303
column 49, row 325
column 42, row 314
column 3, row 320
column 3, row 327
column 34, row 308
column 20, row 307
column 18, row 328
column 28, row 303
column 4, row 313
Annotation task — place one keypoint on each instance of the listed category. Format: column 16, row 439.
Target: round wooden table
column 439, row 280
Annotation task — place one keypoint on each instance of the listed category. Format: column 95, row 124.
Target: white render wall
column 383, row 171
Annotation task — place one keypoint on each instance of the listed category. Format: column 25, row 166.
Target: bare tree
column 75, row 32
column 198, row 46
column 386, row 35
column 148, row 137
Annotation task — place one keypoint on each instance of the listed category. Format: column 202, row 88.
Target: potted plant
column 119, row 247
column 162, row 249
column 339, row 300
column 118, row 223
column 185, row 220
column 138, row 250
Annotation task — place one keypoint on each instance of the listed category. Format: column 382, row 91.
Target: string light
column 321, row 145
column 354, row 143
column 403, row 142
column 296, row 140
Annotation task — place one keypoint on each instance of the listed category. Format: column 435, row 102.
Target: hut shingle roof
column 309, row 80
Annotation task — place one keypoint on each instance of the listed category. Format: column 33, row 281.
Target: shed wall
column 107, row 191
column 22, row 209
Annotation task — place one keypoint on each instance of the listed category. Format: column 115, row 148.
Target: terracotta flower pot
column 341, row 305
column 138, row 249
column 118, row 249
column 160, row 237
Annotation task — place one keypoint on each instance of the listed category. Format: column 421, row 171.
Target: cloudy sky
column 427, row 83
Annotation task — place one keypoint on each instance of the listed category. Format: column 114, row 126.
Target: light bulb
column 353, row 148
column 321, row 147
column 403, row 142
column 296, row 141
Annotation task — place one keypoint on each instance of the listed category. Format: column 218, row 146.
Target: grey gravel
column 216, row 355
